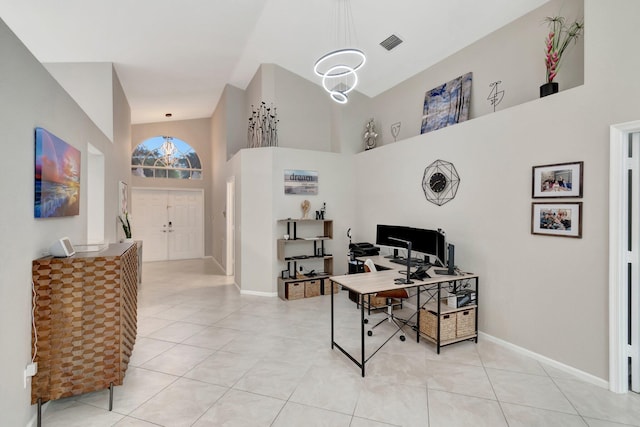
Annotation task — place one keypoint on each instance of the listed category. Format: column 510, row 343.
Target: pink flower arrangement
column 557, row 42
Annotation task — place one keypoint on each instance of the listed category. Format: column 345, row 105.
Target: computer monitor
column 427, row 242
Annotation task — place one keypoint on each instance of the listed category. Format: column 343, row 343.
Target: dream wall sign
column 447, row 104
column 300, row 182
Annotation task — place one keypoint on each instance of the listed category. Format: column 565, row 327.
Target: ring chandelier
column 338, row 71
column 338, row 67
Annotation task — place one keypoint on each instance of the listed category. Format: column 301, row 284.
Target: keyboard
column 415, row 262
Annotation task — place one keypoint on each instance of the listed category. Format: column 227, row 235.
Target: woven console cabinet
column 85, row 318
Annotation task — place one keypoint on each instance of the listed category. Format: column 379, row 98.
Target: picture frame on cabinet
column 557, row 180
column 123, row 198
column 557, row 219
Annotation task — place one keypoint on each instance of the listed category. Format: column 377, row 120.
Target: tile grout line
column 484, row 367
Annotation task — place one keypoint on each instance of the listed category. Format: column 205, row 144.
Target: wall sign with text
column 300, row 182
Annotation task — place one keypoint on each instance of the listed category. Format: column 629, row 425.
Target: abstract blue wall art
column 447, row 104
column 57, row 177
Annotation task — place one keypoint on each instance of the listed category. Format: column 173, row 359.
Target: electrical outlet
column 30, row 371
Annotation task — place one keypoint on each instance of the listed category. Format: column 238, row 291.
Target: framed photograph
column 123, row 198
column 285, row 274
column 557, row 219
column 559, row 180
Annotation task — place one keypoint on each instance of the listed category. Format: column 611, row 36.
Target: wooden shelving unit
column 298, row 249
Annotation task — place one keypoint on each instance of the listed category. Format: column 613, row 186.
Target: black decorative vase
column 548, row 89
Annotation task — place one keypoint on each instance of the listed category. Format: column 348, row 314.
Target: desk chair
column 389, row 296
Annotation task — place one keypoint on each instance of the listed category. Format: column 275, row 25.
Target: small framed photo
column 557, row 219
column 123, row 198
column 559, row 180
column 285, row 274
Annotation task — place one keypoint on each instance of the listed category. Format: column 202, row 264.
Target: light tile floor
column 207, row 356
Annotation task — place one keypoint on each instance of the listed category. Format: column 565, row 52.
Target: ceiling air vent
column 391, row 42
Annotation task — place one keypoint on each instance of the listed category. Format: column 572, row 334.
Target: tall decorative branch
column 263, row 127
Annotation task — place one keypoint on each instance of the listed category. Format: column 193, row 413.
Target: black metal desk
column 380, row 281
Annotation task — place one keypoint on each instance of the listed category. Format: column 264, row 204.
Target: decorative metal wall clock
column 440, row 182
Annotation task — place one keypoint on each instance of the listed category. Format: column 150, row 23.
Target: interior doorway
column 169, row 222
column 230, row 213
column 624, row 262
column 95, row 195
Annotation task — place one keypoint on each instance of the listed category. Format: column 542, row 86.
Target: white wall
column 90, row 85
column 545, row 294
column 259, row 176
column 304, row 111
column 32, row 97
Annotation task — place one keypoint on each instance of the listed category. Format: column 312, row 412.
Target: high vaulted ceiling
column 176, row 56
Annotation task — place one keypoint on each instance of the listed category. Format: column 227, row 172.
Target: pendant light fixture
column 339, row 67
column 168, row 150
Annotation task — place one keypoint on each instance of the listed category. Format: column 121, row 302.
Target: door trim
column 230, row 211
column 618, row 218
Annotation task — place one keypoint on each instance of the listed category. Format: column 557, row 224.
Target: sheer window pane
column 165, row 157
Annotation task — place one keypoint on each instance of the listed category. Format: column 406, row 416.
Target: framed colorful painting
column 57, row 176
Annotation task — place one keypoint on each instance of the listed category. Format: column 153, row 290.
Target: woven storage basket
column 429, row 325
column 375, row 302
column 311, row 288
column 466, row 322
column 295, row 290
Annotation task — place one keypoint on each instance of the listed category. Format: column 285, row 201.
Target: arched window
column 165, row 157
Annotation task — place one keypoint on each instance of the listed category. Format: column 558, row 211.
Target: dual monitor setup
column 429, row 243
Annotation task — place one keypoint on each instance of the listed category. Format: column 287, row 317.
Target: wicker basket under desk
column 429, row 324
column 85, row 318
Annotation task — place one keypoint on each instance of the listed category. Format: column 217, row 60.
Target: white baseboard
column 259, row 294
column 584, row 376
column 215, row 261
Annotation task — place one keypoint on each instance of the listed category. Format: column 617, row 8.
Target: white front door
column 170, row 223
column 185, row 224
